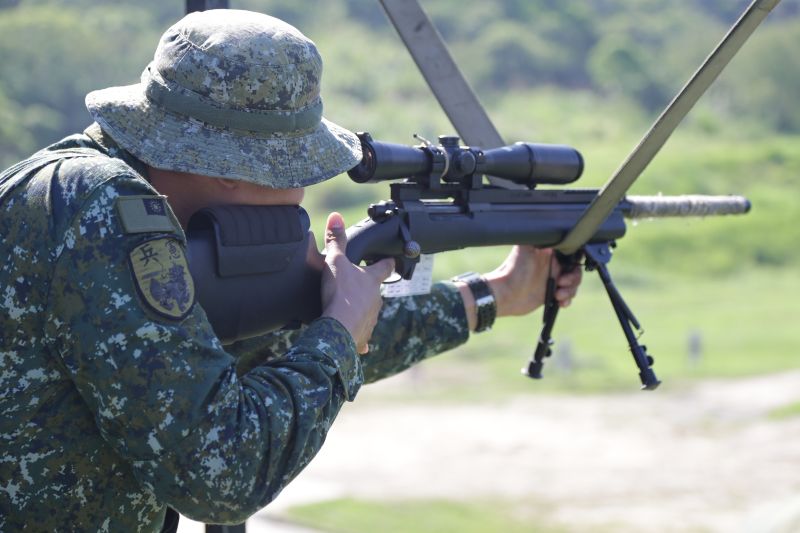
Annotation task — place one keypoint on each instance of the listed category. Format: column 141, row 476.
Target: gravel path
column 704, row 458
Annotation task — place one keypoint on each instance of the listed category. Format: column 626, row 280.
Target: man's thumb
column 335, row 234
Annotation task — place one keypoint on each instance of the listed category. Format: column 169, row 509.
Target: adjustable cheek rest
column 250, row 269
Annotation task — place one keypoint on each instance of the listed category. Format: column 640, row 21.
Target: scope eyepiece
column 365, row 169
column 383, row 161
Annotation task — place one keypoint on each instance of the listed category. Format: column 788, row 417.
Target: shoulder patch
column 144, row 214
column 162, row 277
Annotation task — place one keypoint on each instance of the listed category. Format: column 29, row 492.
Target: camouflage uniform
column 111, row 410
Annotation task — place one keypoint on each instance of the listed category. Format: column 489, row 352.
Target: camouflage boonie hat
column 232, row 94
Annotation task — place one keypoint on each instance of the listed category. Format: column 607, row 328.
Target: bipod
column 544, row 346
column 596, row 257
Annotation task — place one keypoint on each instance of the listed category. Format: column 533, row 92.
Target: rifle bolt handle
column 412, row 249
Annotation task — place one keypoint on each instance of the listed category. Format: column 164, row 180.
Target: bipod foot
column 597, row 257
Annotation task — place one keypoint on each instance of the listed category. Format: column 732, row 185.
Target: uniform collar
column 105, row 144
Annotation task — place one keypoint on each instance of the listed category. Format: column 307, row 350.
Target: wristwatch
column 485, row 304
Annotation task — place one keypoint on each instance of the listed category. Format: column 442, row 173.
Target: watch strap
column 485, row 303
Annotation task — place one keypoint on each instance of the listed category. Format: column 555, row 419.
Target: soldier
column 116, row 398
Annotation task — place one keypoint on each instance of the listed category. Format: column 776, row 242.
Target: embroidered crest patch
column 162, row 277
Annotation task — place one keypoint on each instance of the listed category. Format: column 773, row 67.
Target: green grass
column 746, row 325
column 791, row 410
column 421, row 516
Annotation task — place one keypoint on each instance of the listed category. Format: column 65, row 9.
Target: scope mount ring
column 446, row 165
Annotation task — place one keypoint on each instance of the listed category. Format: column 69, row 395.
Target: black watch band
column 485, row 304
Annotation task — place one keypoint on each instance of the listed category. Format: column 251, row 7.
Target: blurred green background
column 592, row 75
column 717, row 297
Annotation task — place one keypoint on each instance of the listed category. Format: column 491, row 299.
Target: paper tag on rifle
column 420, row 282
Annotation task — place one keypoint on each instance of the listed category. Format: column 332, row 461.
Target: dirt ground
column 703, row 458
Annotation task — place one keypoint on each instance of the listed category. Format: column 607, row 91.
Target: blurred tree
column 15, row 137
column 295, row 13
column 767, row 71
column 522, row 44
column 53, row 53
column 67, row 53
column 619, row 66
column 727, row 10
column 649, row 52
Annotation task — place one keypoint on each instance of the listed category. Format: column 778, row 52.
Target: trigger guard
column 403, row 269
column 405, row 266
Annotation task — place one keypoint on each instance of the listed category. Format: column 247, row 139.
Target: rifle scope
column 525, row 163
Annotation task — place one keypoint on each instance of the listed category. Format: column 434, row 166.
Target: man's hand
column 351, row 294
column 520, row 283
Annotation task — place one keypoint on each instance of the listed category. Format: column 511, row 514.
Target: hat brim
column 170, row 141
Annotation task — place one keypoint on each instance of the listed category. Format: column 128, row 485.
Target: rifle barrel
column 689, row 205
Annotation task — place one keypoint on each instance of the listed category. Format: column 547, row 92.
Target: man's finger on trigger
column 382, row 269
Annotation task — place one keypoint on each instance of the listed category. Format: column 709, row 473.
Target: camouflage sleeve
column 250, row 353
column 413, row 328
column 165, row 395
column 409, row 330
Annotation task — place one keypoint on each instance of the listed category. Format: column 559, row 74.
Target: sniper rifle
column 250, row 262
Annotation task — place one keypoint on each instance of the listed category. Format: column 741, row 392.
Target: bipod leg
column 597, row 256
column 545, row 343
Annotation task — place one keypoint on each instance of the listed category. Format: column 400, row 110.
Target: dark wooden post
column 203, row 5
